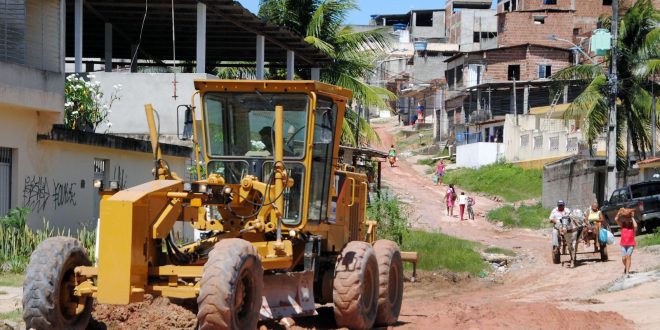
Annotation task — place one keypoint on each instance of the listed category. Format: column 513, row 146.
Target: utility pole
column 611, row 122
column 653, row 123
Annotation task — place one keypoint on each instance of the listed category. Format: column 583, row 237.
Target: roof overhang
column 231, row 32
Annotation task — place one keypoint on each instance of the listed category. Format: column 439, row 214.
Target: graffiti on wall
column 38, row 192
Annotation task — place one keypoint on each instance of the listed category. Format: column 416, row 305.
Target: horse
column 569, row 230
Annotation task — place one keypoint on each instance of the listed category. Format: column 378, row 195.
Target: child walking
column 439, row 172
column 462, row 201
column 450, row 197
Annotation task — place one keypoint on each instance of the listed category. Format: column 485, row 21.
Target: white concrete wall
column 542, row 129
column 475, row 155
column 48, row 176
column 24, row 88
column 138, row 89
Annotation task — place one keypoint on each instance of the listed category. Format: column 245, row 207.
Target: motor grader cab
column 283, row 223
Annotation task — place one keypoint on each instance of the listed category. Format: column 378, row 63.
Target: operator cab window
column 241, row 125
column 324, row 136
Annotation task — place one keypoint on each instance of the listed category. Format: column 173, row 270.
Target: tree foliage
column 321, row 22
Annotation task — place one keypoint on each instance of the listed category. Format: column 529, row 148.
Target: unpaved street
column 534, row 293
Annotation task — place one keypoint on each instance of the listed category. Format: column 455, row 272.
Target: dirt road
column 534, row 293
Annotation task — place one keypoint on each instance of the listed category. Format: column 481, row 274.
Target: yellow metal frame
column 134, row 221
column 313, row 89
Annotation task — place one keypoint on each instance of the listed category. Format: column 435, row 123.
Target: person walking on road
column 450, row 197
column 625, row 218
column 439, row 172
column 462, row 201
column 392, row 156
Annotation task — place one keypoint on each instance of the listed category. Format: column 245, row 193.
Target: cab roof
column 272, row 86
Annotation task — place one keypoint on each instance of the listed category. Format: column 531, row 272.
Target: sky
column 370, row 7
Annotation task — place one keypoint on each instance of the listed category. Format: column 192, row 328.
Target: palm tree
column 638, row 60
column 353, row 53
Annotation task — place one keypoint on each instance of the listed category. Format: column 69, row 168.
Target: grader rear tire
column 390, row 281
column 231, row 287
column 48, row 300
column 355, row 287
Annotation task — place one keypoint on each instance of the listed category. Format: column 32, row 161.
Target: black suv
column 645, row 196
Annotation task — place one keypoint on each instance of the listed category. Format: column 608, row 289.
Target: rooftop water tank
column 420, row 46
column 399, row 26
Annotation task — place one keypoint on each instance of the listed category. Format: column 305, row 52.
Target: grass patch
column 533, row 216
column 497, row 250
column 11, row 279
column 505, row 180
column 15, row 315
column 440, row 251
column 650, row 239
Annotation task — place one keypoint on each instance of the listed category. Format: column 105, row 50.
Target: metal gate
column 5, row 180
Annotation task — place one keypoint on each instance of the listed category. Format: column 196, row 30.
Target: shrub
column 18, row 241
column 84, row 107
column 392, row 217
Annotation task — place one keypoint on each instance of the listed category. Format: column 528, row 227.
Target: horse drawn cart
column 570, row 229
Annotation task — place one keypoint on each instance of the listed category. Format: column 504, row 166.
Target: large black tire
column 390, row 282
column 231, row 287
column 48, row 300
column 355, row 287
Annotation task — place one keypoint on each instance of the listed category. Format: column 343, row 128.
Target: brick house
column 486, row 87
column 567, row 19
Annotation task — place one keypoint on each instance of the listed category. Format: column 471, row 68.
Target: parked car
column 645, row 196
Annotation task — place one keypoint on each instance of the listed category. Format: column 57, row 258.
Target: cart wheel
column 556, row 257
column 603, row 252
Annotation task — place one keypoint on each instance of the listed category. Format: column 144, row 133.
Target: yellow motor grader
column 283, row 223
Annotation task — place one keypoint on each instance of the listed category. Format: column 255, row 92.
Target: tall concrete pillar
column 201, row 37
column 526, row 99
column 108, row 47
column 62, row 36
column 78, row 34
column 261, row 44
column 316, row 74
column 290, row 63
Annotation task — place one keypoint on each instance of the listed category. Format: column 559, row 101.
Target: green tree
column 638, row 61
column 353, row 53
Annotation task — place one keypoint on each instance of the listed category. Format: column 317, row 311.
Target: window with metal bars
column 5, row 180
column 538, row 142
column 554, row 143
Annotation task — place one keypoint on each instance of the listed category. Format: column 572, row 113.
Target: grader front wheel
column 355, row 287
column 231, row 287
column 48, row 299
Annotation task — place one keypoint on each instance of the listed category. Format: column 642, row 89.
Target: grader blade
column 289, row 294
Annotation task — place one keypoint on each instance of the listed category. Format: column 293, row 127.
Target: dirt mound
column 509, row 315
column 152, row 313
